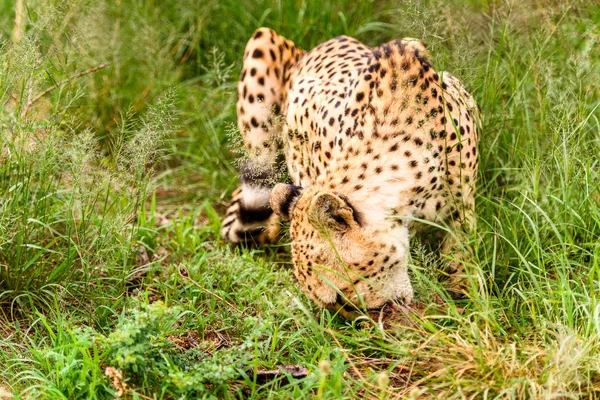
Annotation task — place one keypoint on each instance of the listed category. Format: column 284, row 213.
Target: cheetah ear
column 328, row 210
column 282, row 198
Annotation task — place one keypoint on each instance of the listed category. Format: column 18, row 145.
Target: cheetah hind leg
column 457, row 252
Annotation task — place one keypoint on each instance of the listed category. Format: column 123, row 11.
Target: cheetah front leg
column 267, row 60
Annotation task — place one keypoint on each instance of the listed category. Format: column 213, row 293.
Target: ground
column 114, row 279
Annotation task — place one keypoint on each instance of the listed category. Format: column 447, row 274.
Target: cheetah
column 376, row 144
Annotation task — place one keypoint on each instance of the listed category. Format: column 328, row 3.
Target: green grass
column 111, row 187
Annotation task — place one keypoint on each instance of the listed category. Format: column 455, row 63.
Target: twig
column 264, row 376
column 51, row 88
column 183, row 272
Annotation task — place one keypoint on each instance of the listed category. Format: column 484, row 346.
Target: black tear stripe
column 256, row 214
column 357, row 215
column 286, row 204
column 341, row 303
column 261, row 176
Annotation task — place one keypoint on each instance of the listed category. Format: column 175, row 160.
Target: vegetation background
column 114, row 281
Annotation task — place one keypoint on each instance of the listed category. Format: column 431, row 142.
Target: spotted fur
column 374, row 139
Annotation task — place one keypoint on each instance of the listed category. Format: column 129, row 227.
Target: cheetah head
column 340, row 258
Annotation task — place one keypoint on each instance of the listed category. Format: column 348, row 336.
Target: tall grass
column 113, row 277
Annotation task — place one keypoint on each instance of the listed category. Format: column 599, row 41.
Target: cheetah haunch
column 374, row 139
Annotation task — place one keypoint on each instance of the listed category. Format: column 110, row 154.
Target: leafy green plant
column 142, row 348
